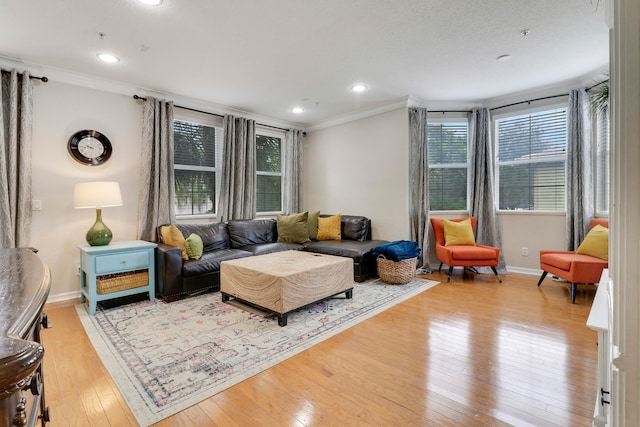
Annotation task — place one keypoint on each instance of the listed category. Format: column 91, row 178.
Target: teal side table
column 117, row 257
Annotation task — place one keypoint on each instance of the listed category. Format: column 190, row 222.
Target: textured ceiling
column 264, row 57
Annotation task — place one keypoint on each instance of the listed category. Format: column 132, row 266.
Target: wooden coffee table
column 284, row 281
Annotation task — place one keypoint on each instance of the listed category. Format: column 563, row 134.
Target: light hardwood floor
column 469, row 353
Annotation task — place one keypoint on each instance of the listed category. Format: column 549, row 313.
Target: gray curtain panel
column 16, row 118
column 579, row 180
column 419, row 183
column 482, row 181
column 158, row 187
column 292, row 193
column 238, row 189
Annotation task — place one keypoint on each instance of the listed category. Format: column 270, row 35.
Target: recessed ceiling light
column 297, row 110
column 107, row 57
column 151, row 2
column 358, row 87
column 503, row 58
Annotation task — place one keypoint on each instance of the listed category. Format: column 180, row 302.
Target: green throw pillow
column 293, row 228
column 194, row 246
column 312, row 225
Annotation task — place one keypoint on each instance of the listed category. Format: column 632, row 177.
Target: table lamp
column 97, row 195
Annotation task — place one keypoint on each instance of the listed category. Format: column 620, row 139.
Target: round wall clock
column 89, row 147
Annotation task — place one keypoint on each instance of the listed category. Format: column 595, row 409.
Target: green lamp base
column 99, row 234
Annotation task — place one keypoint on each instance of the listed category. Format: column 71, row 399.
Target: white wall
column 60, row 110
column 361, row 168
column 534, row 232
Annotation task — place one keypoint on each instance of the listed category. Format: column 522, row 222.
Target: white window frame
column 446, row 120
column 209, row 120
column 494, row 129
column 273, row 133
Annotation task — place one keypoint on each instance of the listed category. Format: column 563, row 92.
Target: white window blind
column 532, row 153
column 196, row 153
column 448, row 165
column 268, row 173
column 602, row 163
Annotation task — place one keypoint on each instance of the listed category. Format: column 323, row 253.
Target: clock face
column 89, row 147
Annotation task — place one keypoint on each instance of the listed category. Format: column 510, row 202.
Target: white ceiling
column 265, row 56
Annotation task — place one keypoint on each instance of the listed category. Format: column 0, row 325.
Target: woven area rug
column 167, row 357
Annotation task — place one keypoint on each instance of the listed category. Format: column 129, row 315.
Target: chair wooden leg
column 496, row 273
column 449, row 276
column 440, row 268
column 573, row 292
column 544, row 274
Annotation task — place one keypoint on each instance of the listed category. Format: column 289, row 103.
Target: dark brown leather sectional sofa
column 242, row 238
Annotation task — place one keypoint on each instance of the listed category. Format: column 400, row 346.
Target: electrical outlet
column 525, row 251
column 78, row 270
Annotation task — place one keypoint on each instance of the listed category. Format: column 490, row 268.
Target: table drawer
column 122, row 262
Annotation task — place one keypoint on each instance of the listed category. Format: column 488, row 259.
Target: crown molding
column 402, row 102
column 92, row 82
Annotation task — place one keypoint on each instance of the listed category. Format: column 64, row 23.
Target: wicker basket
column 110, row 283
column 396, row 272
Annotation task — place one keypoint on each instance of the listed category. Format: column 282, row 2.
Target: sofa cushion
column 173, row 236
column 355, row 250
column 355, row 227
column 193, row 244
column 214, row 235
column 329, row 228
column 245, row 232
column 312, row 224
column 267, row 248
column 210, row 261
column 293, row 228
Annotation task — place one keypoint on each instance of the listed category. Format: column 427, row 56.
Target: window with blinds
column 532, row 153
column 196, row 153
column 602, row 162
column 268, row 173
column 448, row 165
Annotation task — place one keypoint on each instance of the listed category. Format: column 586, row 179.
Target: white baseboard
column 520, row 270
column 529, row 271
column 63, row 297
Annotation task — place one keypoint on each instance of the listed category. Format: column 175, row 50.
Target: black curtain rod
column 496, row 108
column 136, row 97
column 43, row 79
column 518, row 103
column 530, row 101
column 596, row 85
column 448, row 111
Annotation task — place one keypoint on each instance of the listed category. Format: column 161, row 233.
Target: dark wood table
column 25, row 282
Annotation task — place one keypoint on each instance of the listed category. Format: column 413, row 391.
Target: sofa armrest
column 168, row 270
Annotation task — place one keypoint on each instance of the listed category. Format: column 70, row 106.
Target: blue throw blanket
column 397, row 251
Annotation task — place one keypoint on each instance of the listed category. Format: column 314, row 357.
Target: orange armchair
column 463, row 255
column 572, row 267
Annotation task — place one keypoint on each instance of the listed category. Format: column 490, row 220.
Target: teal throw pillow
column 194, row 246
column 293, row 228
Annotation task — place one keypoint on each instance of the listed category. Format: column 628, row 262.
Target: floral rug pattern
column 167, row 357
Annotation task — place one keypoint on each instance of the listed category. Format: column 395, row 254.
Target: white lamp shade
column 96, row 195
